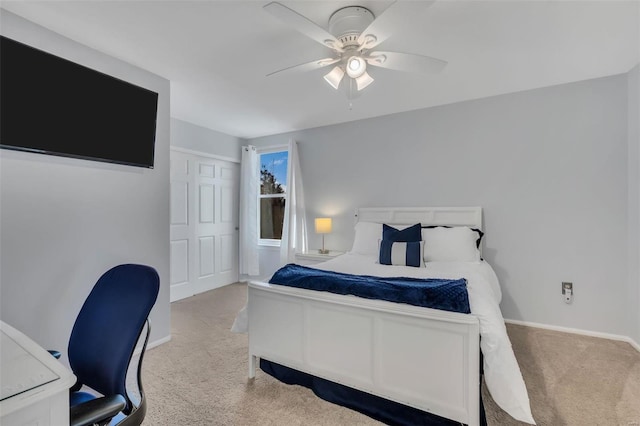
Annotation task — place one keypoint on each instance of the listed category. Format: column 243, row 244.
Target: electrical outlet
column 567, row 292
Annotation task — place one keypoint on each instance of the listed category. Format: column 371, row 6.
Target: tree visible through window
column 273, row 194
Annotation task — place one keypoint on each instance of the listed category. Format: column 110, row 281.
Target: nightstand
column 313, row 257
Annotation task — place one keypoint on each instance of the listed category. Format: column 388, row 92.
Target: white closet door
column 204, row 235
column 180, row 228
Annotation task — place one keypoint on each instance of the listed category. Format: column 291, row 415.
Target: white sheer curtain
column 294, row 228
column 249, row 187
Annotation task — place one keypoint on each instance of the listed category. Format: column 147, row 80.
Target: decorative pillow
column 366, row 238
column 451, row 244
column 401, row 253
column 409, row 234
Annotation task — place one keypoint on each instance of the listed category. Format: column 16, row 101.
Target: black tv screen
column 54, row 106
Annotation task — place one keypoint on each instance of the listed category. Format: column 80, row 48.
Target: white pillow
column 456, row 244
column 366, row 239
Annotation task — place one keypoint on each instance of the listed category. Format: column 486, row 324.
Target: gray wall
column 548, row 166
column 64, row 222
column 193, row 137
column 634, row 198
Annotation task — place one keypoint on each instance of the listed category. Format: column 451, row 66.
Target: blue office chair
column 102, row 343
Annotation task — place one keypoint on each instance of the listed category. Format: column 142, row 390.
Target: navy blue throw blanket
column 436, row 293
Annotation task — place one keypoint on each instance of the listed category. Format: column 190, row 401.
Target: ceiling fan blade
column 394, row 17
column 406, row 62
column 303, row 25
column 307, row 66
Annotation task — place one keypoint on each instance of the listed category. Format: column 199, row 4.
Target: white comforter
column 501, row 371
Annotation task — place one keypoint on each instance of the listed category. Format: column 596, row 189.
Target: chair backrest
column 109, row 324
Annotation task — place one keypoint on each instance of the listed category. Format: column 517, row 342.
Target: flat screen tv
column 54, row 106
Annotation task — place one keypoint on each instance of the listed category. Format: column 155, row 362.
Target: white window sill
column 269, row 243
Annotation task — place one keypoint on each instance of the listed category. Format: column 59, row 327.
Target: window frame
column 270, row 242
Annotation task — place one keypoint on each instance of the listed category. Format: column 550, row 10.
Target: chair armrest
column 55, row 354
column 96, row 410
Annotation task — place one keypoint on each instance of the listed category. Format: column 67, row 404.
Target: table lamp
column 323, row 226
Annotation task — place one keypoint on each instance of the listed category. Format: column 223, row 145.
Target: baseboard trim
column 153, row 344
column 608, row 336
column 158, row 342
column 249, row 278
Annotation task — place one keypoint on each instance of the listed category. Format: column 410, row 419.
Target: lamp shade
column 323, row 225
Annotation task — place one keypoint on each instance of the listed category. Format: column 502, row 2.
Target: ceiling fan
column 353, row 34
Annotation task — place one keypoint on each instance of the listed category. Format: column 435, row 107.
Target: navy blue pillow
column 410, row 234
column 406, row 253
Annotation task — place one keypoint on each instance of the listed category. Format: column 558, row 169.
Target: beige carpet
column 200, row 376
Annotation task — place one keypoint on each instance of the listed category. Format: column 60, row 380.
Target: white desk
column 34, row 386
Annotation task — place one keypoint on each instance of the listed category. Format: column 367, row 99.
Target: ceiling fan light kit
column 334, row 77
column 363, row 81
column 353, row 32
column 356, row 66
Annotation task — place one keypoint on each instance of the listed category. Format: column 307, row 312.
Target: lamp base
column 323, row 251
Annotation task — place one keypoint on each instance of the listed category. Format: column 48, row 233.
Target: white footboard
column 420, row 357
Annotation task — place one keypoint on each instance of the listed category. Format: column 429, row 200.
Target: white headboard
column 452, row 216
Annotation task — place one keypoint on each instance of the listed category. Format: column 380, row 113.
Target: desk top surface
column 28, row 373
column 19, row 370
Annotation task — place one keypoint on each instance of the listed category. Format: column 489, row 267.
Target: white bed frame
column 424, row 358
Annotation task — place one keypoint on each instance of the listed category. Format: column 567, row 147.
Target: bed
column 424, row 358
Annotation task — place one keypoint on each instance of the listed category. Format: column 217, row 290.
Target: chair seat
column 76, row 398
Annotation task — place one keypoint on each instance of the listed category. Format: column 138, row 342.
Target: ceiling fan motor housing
column 347, row 24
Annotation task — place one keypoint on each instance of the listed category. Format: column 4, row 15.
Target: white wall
column 196, row 138
column 634, row 199
column 64, row 221
column 269, row 258
column 549, row 167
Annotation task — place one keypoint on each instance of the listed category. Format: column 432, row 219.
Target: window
column 273, row 195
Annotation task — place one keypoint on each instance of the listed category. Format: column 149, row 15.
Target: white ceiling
column 217, row 53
